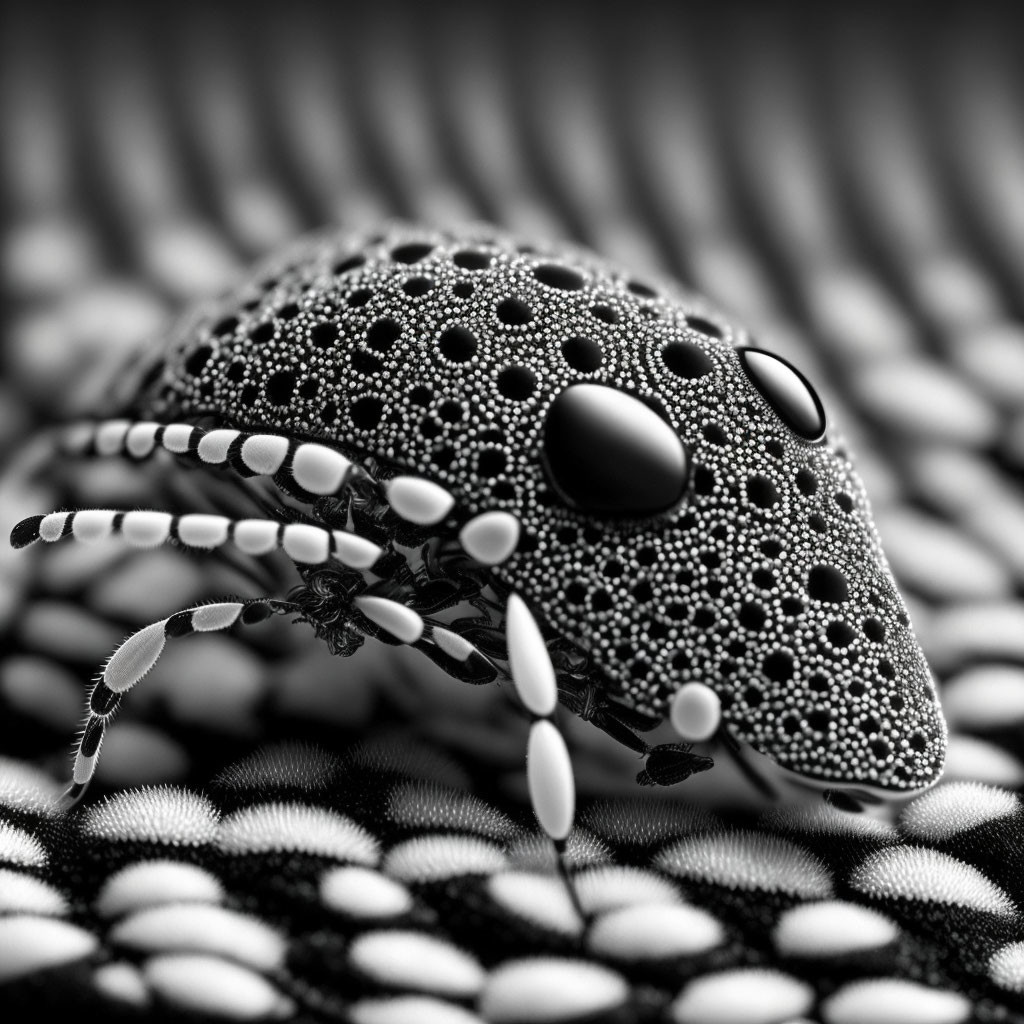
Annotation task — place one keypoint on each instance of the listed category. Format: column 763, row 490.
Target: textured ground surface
column 276, row 833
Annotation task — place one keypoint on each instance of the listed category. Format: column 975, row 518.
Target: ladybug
column 528, row 465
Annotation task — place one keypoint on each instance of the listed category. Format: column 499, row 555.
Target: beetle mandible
column 526, row 464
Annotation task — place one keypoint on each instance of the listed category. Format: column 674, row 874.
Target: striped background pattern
column 269, row 839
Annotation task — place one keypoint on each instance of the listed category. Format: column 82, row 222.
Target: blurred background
column 846, row 180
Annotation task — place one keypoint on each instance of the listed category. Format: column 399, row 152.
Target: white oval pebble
column 274, row 827
column 432, row 806
column 43, row 689
column 654, row 932
column 26, row 788
column 920, row 873
column 831, row 928
column 24, row 894
column 743, row 996
column 155, row 882
column 985, row 697
column 548, row 989
column 490, row 538
column 893, row 1001
column 207, row 984
column 213, row 447
column 955, row 807
column 256, row 536
column 938, row 561
column 121, row 982
column 264, row 454
column 310, row 545
column 540, row 899
column 202, row 928
column 416, row 960
column 198, row 530
column 978, row 630
column 695, row 712
column 319, row 470
column 146, row 529
column 136, row 754
column 610, row 886
column 1006, row 967
column 432, row 858
column 362, row 893
column 748, row 860
column 410, row 1010
column 550, row 780
column 31, row 944
column 401, row 622
column 417, row 500
column 529, row 661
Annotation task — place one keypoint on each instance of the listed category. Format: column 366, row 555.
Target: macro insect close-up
column 516, row 514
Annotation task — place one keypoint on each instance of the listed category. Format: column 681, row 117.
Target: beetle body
column 684, row 521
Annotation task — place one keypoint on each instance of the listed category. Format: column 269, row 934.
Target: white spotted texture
column 165, row 815
column 155, row 882
column 274, row 827
column 748, row 860
column 363, row 893
column 608, row 886
column 985, row 697
column 20, row 848
column 641, row 821
column 956, row 807
column 893, row 1001
column 821, row 819
column 29, row 944
column 434, row 858
column 745, row 996
column 207, row 984
column 549, row 989
column 654, row 932
column 831, row 928
column 25, row 788
column 428, row 805
column 416, row 960
column 918, row 873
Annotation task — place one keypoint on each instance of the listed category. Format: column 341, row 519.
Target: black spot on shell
column 685, row 360
column 806, row 482
column 764, row 579
column 771, row 548
column 778, row 666
column 289, row 312
column 309, row 388
column 605, row 314
column 462, row 289
column 753, row 617
column 366, row 412
column 582, row 354
column 382, row 334
column 458, row 344
column 421, row 395
column 469, row 259
column 367, row 363
column 236, row 371
column 517, row 382
column 226, row 326
column 416, row 287
column 715, row 435
column 344, row 266
column 840, row 634
column 329, row 413
column 450, row 411
column 873, row 630
column 601, row 601
column 845, row 502
column 412, row 252
column 279, row 387
column 559, row 277
column 262, row 333
column 196, row 362
column 324, row 334
column 825, row 583
column 249, row 394
column 643, row 290
column 514, row 312
column 360, row 297
column 698, row 323
column 762, row 492
column 491, row 462
column 819, row 721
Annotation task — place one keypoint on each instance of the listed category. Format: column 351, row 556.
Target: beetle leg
column 136, row 656
column 302, row 542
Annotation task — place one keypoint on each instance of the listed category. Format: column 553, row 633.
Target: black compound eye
column 610, row 453
column 787, row 391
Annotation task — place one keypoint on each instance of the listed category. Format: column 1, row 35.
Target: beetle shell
column 442, row 353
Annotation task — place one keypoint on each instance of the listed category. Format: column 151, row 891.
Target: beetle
column 526, row 464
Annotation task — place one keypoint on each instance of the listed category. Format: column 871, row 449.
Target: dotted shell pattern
column 440, row 352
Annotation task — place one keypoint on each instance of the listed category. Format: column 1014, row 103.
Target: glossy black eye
column 787, row 391
column 607, row 452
